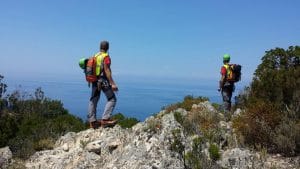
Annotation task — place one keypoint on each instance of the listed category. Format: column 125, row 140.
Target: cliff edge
column 160, row 142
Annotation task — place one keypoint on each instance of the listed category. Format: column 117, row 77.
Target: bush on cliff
column 186, row 104
column 125, row 122
column 30, row 123
column 272, row 103
column 203, row 125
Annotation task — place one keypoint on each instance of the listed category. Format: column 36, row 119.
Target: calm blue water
column 135, row 99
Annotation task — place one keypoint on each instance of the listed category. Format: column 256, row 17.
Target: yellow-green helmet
column 226, row 57
column 82, row 63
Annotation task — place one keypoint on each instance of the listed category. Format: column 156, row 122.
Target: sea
column 135, row 98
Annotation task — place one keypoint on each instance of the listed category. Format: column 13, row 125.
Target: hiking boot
column 94, row 125
column 107, row 123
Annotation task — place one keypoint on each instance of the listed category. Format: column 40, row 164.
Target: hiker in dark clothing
column 225, row 86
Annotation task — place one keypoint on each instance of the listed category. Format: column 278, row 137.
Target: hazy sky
column 148, row 38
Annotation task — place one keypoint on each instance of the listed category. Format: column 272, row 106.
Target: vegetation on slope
column 272, row 104
column 30, row 123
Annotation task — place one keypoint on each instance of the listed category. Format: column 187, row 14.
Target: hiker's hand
column 219, row 89
column 114, row 87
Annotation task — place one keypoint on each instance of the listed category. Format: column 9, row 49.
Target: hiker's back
column 93, row 66
column 233, row 72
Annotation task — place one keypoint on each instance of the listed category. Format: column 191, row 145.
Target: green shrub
column 287, row 136
column 8, row 128
column 198, row 120
column 22, row 147
column 192, row 161
column 37, row 133
column 276, row 79
column 205, row 123
column 198, row 144
column 44, row 144
column 196, row 158
column 178, row 117
column 257, row 124
column 118, row 116
column 125, row 122
column 153, row 125
column 187, row 103
column 33, row 123
column 269, row 100
column 170, row 108
column 65, row 123
column 214, row 152
column 190, row 100
column 128, row 122
column 189, row 127
column 216, row 106
column 177, row 145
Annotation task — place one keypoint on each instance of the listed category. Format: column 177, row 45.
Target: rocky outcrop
column 149, row 145
column 5, row 157
column 146, row 145
column 238, row 158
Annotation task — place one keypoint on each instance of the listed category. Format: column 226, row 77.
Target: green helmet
column 82, row 63
column 226, row 57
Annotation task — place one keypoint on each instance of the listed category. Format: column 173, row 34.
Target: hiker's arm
column 108, row 74
column 221, row 83
column 223, row 77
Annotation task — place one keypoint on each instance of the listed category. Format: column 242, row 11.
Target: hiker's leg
column 92, row 108
column 111, row 102
column 229, row 97
column 226, row 99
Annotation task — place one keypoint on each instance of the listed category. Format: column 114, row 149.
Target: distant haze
column 174, row 39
